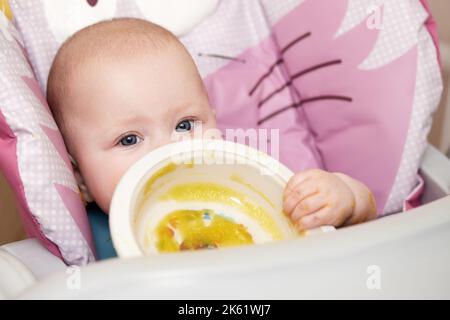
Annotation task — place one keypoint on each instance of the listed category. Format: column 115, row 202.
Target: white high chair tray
column 401, row 256
column 380, row 259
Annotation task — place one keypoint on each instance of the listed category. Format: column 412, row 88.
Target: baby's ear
column 85, row 195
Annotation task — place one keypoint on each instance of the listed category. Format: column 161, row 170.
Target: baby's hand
column 316, row 198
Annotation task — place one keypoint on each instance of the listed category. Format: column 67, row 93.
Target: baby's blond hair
column 103, row 40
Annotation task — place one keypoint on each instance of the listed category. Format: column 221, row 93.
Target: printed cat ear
column 180, row 17
column 64, row 18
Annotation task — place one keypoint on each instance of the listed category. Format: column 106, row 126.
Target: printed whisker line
column 295, row 41
column 327, row 97
column 298, row 75
column 303, row 102
column 274, row 114
column 264, row 76
column 273, row 93
column 278, row 62
column 316, row 67
column 220, row 56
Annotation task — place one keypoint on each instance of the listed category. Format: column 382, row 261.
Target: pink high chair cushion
column 34, row 159
column 347, row 95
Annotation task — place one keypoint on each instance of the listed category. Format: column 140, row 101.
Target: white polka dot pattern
column 402, row 28
column 217, row 36
column 428, row 92
column 40, row 165
column 400, row 22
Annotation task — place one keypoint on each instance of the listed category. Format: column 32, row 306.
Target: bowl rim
column 121, row 228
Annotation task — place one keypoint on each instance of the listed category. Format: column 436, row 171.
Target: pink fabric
column 33, row 112
column 240, row 110
column 34, row 87
column 9, row 167
column 336, row 134
column 352, row 136
column 314, row 135
column 57, row 141
column 72, row 202
column 413, row 200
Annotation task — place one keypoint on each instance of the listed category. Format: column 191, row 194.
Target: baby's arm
column 315, row 198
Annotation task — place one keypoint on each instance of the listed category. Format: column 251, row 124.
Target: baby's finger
column 297, row 180
column 307, row 206
column 296, row 196
column 314, row 220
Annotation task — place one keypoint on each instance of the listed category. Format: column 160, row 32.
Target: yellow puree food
column 192, row 229
column 199, row 230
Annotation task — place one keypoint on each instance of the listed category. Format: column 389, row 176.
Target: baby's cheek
column 111, row 181
column 102, row 187
column 103, row 196
column 110, row 189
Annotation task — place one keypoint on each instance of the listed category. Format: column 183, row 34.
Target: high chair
column 350, row 84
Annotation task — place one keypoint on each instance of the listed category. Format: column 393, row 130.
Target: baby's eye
column 185, row 125
column 129, row 140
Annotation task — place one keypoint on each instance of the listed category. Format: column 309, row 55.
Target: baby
column 121, row 88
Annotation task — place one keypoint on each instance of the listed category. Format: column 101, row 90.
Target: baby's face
column 120, row 109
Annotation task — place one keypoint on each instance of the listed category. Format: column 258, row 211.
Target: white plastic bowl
column 256, row 175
